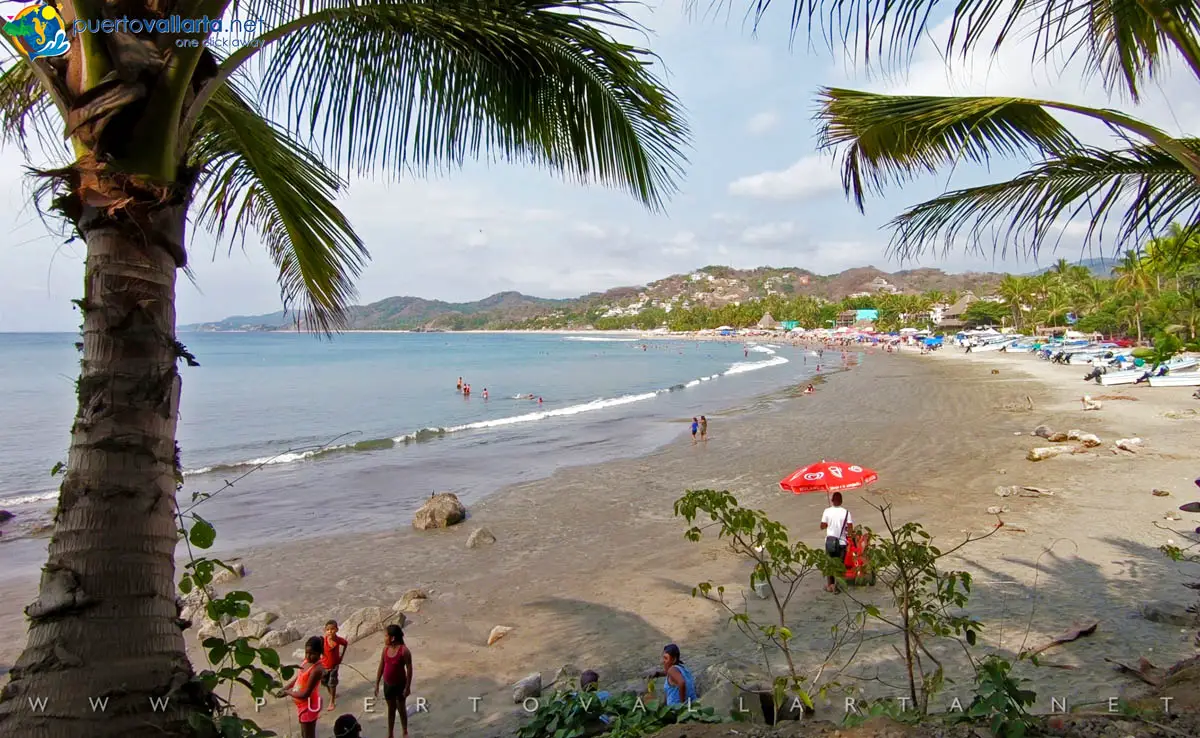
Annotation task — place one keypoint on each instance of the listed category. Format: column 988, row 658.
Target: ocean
column 303, row 437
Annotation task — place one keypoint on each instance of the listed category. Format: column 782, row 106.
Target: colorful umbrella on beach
column 828, row 476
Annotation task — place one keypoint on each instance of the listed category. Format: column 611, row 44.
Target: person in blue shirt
column 679, row 687
column 695, row 428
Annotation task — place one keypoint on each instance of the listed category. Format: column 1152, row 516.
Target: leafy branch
column 779, row 568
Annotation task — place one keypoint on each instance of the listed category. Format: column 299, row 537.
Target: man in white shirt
column 836, row 522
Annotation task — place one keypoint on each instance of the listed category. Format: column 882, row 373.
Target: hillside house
column 862, row 319
column 955, row 316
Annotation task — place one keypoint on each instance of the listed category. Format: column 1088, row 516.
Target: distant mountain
column 406, row 313
column 1098, row 267
column 711, row 286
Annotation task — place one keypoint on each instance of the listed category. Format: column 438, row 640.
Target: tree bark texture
column 105, row 644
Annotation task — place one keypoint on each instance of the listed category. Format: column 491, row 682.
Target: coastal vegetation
column 1155, row 290
column 1147, row 294
column 161, row 133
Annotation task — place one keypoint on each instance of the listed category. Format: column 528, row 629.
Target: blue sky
column 755, row 193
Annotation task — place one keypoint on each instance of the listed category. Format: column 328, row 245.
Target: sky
column 756, row 191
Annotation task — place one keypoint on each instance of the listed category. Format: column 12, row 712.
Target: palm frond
column 26, row 109
column 1124, row 196
column 425, row 84
column 889, row 139
column 257, row 178
column 1126, row 42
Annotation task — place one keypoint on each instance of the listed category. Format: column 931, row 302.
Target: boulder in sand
column 1089, row 440
column 440, row 511
column 1047, row 452
column 530, row 686
column 255, row 626
column 279, row 638
column 1058, row 437
column 497, row 633
column 410, row 601
column 369, row 621
column 1128, row 444
column 1043, row 431
column 225, row 576
column 480, row 537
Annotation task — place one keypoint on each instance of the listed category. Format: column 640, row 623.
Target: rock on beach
column 410, row 601
column 480, row 537
column 440, row 511
column 369, row 621
column 530, row 686
column 497, row 633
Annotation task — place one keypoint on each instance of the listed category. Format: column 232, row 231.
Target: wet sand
column 591, row 568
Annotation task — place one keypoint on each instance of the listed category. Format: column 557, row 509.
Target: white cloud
column 769, row 233
column 764, row 122
column 591, row 231
column 811, row 176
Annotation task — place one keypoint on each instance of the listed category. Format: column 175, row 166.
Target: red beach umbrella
column 828, row 476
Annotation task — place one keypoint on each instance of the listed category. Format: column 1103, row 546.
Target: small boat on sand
column 1183, row 379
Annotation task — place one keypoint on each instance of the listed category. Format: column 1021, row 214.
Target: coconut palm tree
column 159, row 127
column 1124, row 194
column 1135, row 279
column 1016, row 293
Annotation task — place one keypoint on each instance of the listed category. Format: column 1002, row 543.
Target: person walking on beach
column 331, row 659
column 836, row 522
column 396, row 673
column 302, row 688
column 679, row 687
column 703, row 428
column 695, row 428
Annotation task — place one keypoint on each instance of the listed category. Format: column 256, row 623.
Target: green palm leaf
column 26, row 111
column 427, row 83
column 1126, row 42
column 256, row 177
column 1126, row 194
column 890, row 139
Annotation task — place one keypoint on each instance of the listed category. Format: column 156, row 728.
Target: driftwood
column 1071, row 635
column 1145, row 671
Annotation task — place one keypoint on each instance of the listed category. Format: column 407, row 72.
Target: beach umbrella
column 828, row 476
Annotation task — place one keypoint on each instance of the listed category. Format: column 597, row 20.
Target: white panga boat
column 1130, row 376
column 1183, row 379
column 994, row 345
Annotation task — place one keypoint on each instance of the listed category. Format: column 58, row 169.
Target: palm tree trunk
column 1138, row 317
column 104, row 638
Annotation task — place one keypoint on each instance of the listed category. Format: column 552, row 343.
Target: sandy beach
column 590, row 566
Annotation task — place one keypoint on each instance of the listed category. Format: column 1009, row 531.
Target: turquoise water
column 368, row 424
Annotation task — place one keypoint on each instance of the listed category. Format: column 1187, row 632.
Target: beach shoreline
column 590, row 566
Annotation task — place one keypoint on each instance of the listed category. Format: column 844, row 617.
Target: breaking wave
column 425, row 435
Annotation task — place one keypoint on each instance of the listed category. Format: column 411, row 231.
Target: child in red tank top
column 303, row 688
column 396, row 673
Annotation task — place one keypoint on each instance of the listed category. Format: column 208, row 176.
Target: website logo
column 37, row 28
